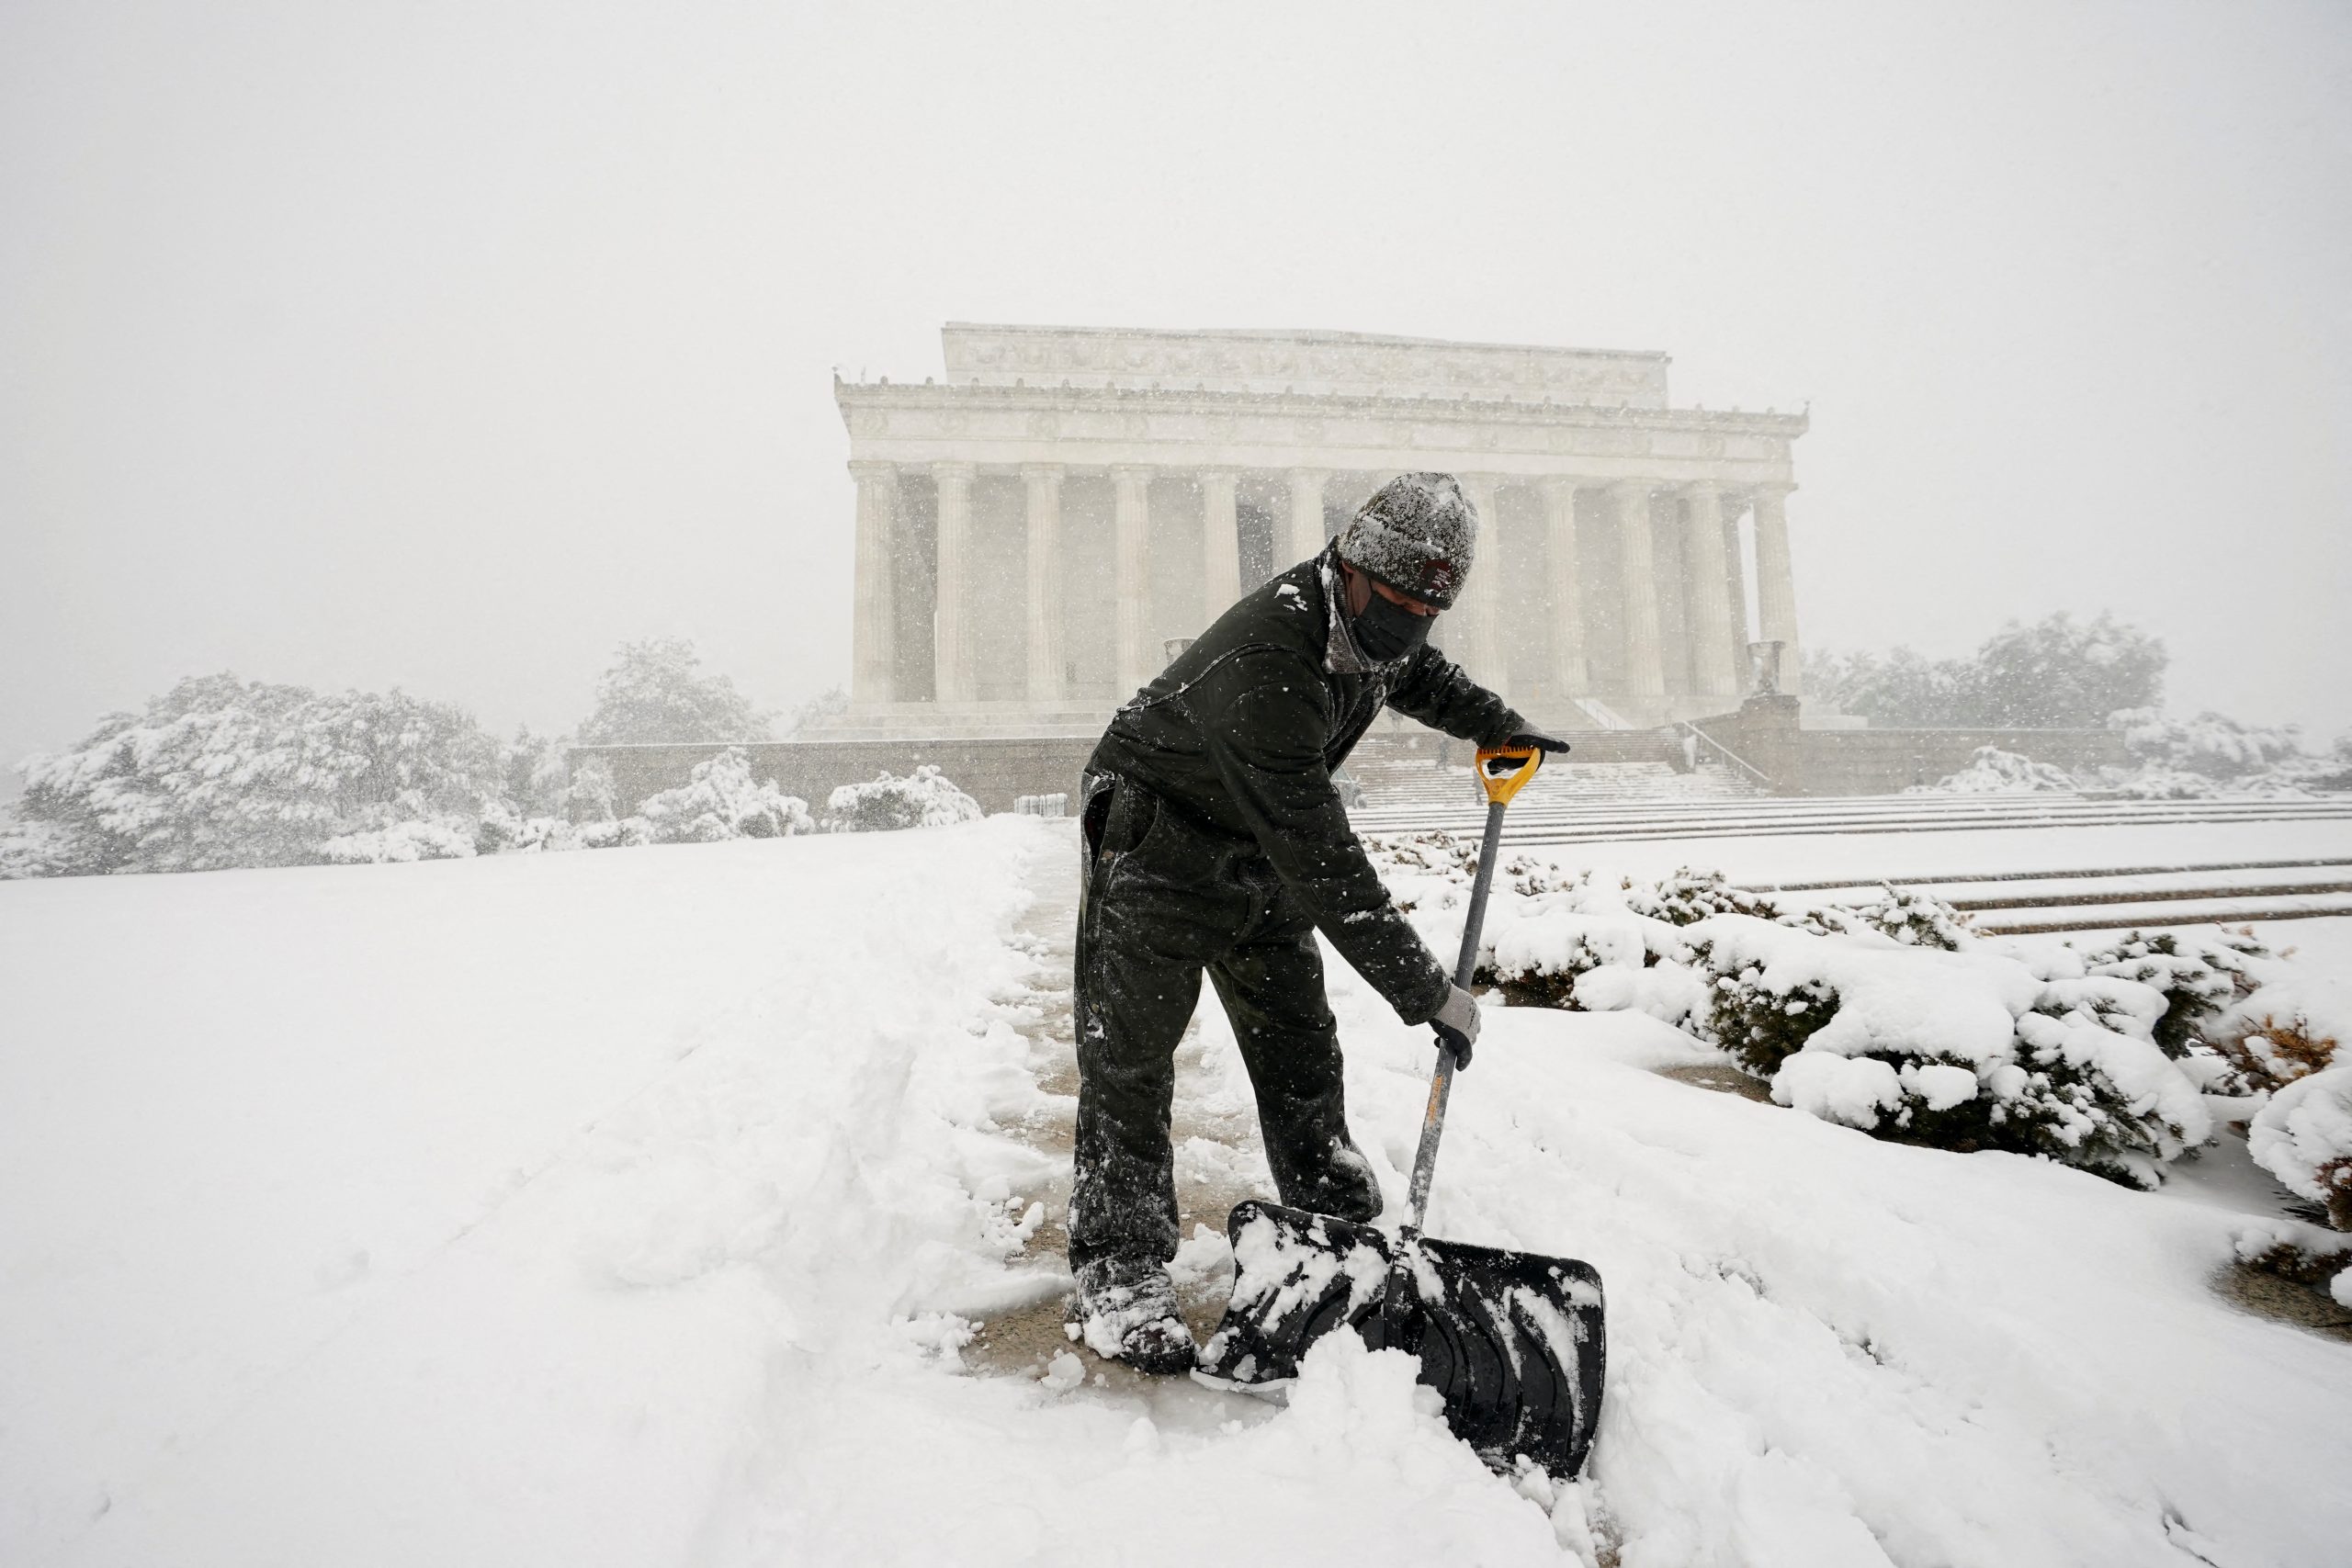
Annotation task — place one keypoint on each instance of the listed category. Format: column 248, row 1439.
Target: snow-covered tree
column 656, row 693
column 219, row 772
column 2058, row 674
column 2211, row 745
column 817, row 707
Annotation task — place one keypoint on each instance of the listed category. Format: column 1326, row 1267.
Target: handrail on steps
column 1761, row 776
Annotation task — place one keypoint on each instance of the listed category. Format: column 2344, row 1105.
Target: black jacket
column 1242, row 733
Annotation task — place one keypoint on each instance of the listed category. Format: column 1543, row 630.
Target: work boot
column 1126, row 1312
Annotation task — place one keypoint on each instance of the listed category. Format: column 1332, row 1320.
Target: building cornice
column 885, row 394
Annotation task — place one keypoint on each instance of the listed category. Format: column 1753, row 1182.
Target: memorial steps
column 1651, row 803
column 1419, row 787
column 2229, row 893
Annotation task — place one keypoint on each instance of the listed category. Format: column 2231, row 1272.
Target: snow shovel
column 1511, row 1340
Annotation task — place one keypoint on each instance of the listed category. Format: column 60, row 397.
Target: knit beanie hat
column 1418, row 534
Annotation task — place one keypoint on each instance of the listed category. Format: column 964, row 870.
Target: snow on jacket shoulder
column 1242, row 734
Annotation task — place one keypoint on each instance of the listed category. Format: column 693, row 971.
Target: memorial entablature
column 1035, row 531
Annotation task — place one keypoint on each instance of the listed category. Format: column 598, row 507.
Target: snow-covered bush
column 2305, row 1138
column 1912, row 918
column 721, row 800
column 1537, row 960
column 2284, row 1030
column 2198, row 977
column 924, row 798
column 1690, row 895
column 410, row 840
column 1967, row 1050
column 219, row 772
column 1992, row 771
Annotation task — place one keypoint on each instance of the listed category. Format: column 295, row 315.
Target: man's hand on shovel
column 1457, row 1026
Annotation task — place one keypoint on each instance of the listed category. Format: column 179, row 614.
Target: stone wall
column 991, row 772
column 1765, row 734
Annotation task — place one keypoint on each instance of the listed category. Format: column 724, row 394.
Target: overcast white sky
column 446, row 346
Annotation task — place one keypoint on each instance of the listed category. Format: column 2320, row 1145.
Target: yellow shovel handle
column 1499, row 775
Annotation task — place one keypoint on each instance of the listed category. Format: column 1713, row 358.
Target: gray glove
column 1457, row 1024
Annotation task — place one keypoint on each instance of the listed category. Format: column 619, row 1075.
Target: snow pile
column 2305, row 1138
column 924, row 798
column 1992, row 771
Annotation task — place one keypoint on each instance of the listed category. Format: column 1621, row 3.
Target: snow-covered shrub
column 924, row 798
column 721, row 800
column 1966, row 1050
column 2305, row 1138
column 2284, row 1030
column 1992, row 771
column 615, row 833
column 2292, row 1250
column 409, row 841
column 1692, row 893
column 2198, row 977
column 1912, row 918
column 1537, row 960
column 219, row 772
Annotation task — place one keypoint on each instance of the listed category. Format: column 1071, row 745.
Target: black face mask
column 1386, row 631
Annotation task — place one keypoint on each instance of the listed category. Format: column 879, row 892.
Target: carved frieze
column 1302, row 362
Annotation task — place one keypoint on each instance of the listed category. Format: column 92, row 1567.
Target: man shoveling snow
column 1215, row 839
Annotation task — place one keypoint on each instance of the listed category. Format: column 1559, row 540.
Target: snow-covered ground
column 631, row 1207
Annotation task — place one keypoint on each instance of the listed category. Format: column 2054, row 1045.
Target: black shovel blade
column 1511, row 1340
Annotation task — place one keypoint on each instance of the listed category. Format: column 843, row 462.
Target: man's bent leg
column 1271, row 985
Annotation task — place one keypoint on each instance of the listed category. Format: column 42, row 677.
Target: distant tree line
column 2058, row 674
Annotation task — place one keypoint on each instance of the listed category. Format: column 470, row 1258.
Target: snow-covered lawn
column 626, row 1207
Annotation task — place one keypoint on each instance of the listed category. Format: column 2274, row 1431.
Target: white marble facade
column 1035, row 531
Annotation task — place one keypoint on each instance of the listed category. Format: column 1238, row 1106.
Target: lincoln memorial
column 1037, row 530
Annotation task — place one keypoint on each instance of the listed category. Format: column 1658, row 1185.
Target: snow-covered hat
column 1418, row 534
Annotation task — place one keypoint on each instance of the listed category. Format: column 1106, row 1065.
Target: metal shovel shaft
column 1441, row 1081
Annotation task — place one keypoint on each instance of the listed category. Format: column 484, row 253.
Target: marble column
column 1482, row 651
column 1776, row 588
column 873, row 635
column 1131, row 576
column 1045, row 667
column 1220, row 543
column 1637, row 595
column 1564, row 584
column 1306, row 517
column 951, row 673
column 1713, row 673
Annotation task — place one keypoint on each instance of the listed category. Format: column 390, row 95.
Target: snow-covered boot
column 1126, row 1312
